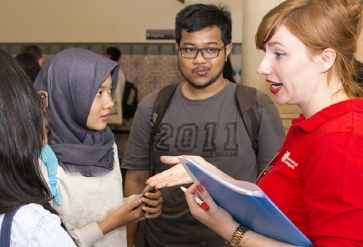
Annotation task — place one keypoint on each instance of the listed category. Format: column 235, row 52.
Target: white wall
column 254, row 10
column 46, row 21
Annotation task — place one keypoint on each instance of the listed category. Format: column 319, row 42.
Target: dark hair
column 228, row 71
column 22, row 135
column 199, row 16
column 29, row 64
column 32, row 49
column 114, row 53
column 320, row 25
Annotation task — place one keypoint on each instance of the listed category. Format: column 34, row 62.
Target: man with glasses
column 202, row 119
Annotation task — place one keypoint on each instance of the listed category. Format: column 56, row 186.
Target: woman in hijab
column 87, row 184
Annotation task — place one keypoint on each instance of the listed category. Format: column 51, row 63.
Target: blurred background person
column 35, row 51
column 116, row 116
column 29, row 64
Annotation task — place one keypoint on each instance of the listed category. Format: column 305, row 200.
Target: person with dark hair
column 113, row 53
column 79, row 85
column 35, row 51
column 228, row 71
column 116, row 116
column 23, row 190
column 316, row 178
column 202, row 118
column 29, row 64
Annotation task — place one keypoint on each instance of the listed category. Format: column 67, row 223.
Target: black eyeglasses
column 207, row 53
column 44, row 96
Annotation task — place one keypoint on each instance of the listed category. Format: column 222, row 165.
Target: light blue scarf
column 51, row 162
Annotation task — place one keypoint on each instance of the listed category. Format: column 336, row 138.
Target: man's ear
column 326, row 59
column 228, row 49
column 176, row 49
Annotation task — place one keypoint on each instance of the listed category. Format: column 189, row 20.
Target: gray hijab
column 72, row 78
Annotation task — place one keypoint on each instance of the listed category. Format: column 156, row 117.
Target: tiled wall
column 148, row 73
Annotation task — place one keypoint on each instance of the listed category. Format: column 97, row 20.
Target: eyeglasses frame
column 201, row 50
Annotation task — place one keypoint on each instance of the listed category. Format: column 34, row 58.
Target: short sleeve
column 49, row 232
column 137, row 154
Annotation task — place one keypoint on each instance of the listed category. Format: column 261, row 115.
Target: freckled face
column 200, row 72
column 100, row 109
column 290, row 69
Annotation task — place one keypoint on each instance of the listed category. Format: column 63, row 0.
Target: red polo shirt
column 317, row 176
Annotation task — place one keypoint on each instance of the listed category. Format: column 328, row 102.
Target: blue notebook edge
column 268, row 220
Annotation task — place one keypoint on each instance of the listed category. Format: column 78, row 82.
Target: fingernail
column 204, row 206
column 200, row 188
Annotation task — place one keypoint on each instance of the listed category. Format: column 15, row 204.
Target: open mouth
column 274, row 86
column 105, row 117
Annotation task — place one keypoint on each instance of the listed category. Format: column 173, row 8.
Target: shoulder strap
column 6, row 228
column 248, row 108
column 160, row 105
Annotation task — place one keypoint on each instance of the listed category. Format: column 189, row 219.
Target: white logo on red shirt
column 288, row 161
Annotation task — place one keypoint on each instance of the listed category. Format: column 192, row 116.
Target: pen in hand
column 198, row 200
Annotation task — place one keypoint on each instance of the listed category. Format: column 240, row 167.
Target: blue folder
column 247, row 204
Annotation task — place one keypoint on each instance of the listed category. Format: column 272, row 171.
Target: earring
column 322, row 69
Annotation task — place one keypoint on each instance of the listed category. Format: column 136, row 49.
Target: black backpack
column 129, row 100
column 246, row 103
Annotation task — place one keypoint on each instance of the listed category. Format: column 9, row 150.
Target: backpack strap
column 6, row 227
column 248, row 108
column 51, row 162
column 160, row 105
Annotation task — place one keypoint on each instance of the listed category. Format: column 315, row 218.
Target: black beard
column 210, row 82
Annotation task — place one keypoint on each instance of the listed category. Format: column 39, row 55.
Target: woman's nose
column 109, row 102
column 263, row 68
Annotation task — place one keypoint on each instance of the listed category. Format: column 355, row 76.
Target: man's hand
column 152, row 204
column 176, row 175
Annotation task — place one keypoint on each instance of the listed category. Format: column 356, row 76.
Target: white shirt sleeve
column 87, row 235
